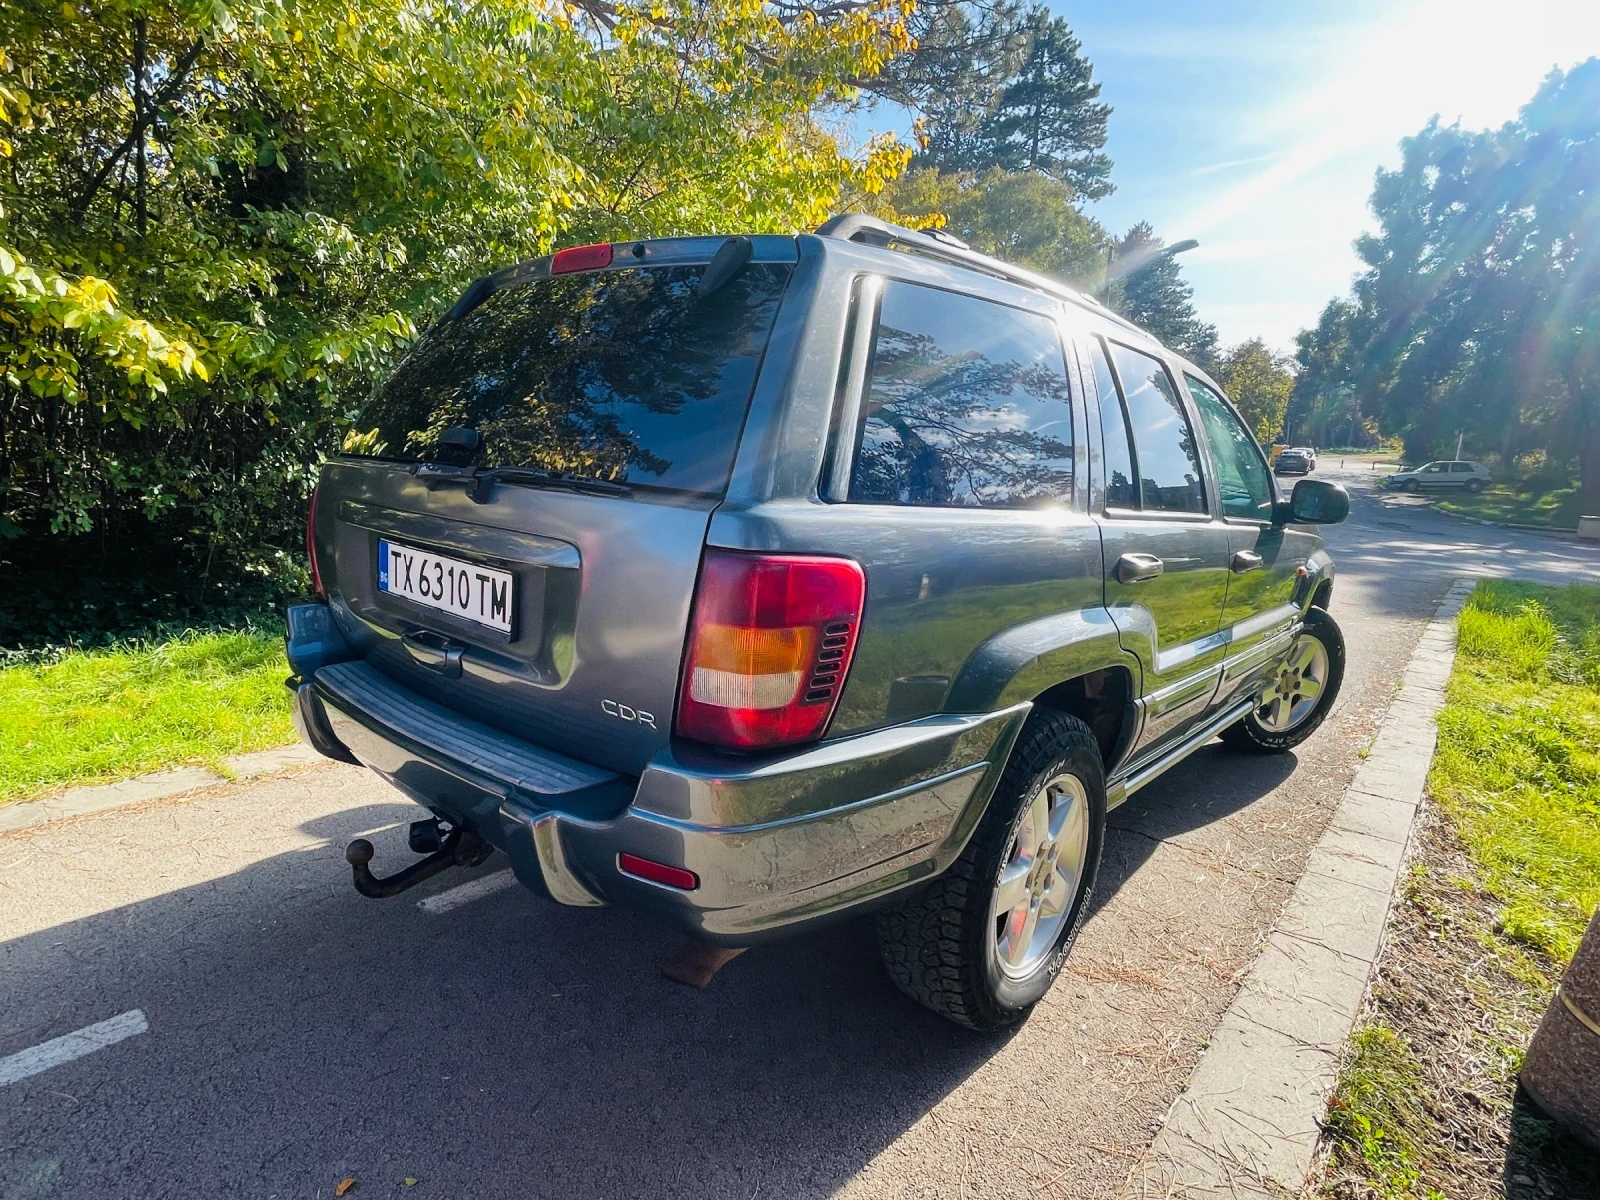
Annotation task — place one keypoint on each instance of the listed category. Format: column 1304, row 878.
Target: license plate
column 471, row 591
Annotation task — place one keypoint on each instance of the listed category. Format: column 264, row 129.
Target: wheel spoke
column 1018, row 932
column 1281, row 710
column 1024, row 939
column 1037, row 823
column 1061, row 814
column 1310, row 688
column 1307, row 654
column 1062, row 886
column 1013, row 886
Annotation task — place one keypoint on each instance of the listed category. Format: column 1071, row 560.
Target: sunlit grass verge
column 1558, row 508
column 1506, row 880
column 92, row 716
column 1518, row 764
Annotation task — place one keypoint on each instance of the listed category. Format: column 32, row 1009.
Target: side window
column 1242, row 476
column 966, row 406
column 1163, row 443
column 1434, row 468
column 1118, row 457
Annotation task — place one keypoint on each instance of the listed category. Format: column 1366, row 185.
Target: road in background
column 295, row 1034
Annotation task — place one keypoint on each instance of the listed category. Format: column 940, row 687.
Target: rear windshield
column 629, row 376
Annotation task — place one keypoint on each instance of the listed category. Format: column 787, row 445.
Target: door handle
column 1244, row 560
column 435, row 652
column 1137, row 568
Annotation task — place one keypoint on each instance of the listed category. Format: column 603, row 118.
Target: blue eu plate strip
column 383, row 565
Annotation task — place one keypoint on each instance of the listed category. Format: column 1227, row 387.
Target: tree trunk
column 1586, row 413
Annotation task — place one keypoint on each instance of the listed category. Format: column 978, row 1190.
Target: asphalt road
column 292, row 1034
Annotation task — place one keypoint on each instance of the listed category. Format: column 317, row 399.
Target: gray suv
column 757, row 581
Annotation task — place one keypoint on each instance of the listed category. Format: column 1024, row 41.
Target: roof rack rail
column 937, row 244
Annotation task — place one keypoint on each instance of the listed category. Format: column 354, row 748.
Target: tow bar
column 458, row 848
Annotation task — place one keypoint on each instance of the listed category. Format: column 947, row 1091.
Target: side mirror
column 1317, row 502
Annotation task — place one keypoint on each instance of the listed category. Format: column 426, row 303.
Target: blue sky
column 1256, row 127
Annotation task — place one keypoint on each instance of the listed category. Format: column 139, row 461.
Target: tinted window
column 1114, row 434
column 1242, row 476
column 966, row 405
column 1164, row 449
column 626, row 375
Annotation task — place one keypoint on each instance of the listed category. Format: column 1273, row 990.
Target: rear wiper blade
column 480, row 481
column 530, row 477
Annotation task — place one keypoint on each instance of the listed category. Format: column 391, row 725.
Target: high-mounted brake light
column 581, row 258
column 769, row 648
column 311, row 543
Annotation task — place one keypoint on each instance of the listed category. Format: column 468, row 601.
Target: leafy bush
column 222, row 221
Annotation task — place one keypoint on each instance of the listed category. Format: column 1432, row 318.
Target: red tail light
column 769, row 648
column 581, row 258
column 311, row 544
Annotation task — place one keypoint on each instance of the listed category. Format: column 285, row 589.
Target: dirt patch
column 1428, row 1105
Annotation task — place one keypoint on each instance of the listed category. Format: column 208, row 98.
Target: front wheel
column 1300, row 693
column 1410, row 485
column 982, row 943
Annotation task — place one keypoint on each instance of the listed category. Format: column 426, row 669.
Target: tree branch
column 175, row 81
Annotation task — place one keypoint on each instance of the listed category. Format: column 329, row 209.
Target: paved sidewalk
column 1249, row 1121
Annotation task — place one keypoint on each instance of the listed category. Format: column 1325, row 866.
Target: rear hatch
column 541, row 580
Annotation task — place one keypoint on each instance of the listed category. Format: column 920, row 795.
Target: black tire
column 1250, row 734
column 1474, row 485
column 1410, row 485
column 937, row 944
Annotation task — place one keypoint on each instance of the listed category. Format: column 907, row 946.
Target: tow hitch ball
column 458, row 848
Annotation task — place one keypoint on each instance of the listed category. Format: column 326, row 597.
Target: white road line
column 468, row 892
column 69, row 1046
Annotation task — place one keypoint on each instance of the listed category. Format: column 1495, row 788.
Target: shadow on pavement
column 300, row 1034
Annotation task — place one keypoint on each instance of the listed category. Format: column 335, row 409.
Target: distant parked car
column 1457, row 473
column 1310, row 453
column 1295, row 462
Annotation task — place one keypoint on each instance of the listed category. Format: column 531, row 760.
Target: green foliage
column 1518, row 763
column 1258, row 382
column 1159, row 299
column 1023, row 217
column 91, row 716
column 1479, row 311
column 221, row 222
column 1002, row 85
column 1377, row 1116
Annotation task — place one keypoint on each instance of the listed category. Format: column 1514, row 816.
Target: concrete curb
column 82, row 801
column 1248, row 1123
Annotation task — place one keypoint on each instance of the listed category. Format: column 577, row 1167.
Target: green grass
column 1518, row 764
column 1480, row 947
column 92, row 716
column 1558, row 508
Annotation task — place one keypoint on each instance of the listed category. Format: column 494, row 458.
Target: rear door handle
column 1137, row 568
column 435, row 652
column 1244, row 560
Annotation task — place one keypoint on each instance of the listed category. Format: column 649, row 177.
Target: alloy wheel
column 1041, row 874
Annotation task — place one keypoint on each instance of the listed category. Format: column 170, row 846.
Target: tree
column 1020, row 216
column 1325, row 404
column 1048, row 118
column 1479, row 311
column 1258, row 382
column 1002, row 85
column 222, row 222
column 1158, row 298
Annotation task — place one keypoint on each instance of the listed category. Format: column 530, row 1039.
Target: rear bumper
column 777, row 843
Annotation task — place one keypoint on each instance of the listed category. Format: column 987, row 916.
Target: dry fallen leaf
column 343, row 1186
column 410, row 1182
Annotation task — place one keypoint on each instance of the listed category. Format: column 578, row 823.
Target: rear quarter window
column 966, row 405
column 627, row 375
